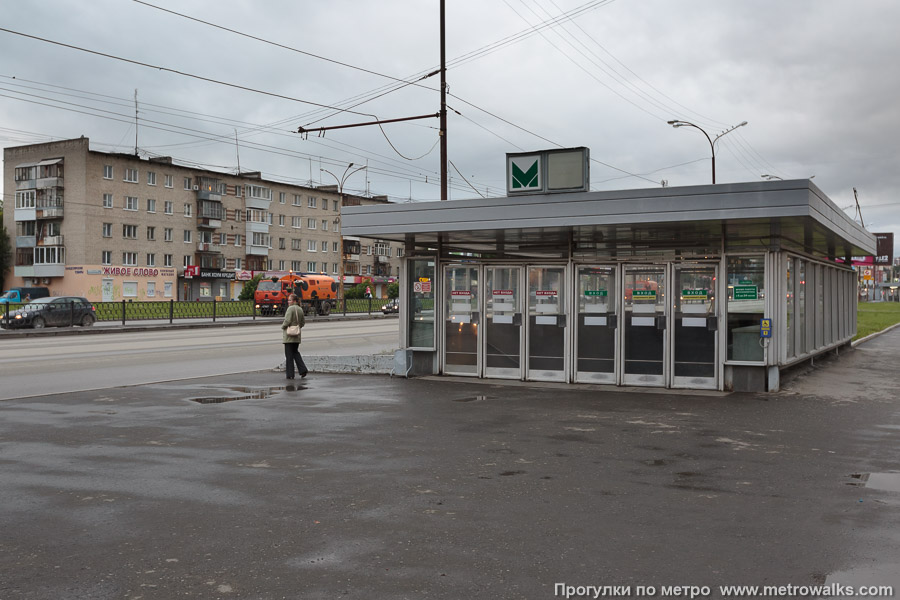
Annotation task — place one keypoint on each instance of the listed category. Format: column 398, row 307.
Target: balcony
column 258, row 250
column 206, row 247
column 208, row 223
column 210, row 214
column 49, row 207
column 212, row 261
column 26, row 241
column 50, row 240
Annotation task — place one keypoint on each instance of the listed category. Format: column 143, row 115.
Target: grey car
column 61, row 311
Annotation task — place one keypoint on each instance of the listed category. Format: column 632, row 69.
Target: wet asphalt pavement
column 349, row 486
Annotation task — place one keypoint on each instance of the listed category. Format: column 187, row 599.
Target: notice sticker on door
column 465, row 293
column 502, row 293
column 545, row 293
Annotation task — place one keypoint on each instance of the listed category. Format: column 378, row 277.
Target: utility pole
column 443, row 132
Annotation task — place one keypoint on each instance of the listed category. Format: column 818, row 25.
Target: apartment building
column 111, row 226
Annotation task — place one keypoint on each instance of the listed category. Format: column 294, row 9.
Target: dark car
column 392, row 306
column 61, row 311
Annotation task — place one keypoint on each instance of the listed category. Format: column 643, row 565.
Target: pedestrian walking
column 293, row 321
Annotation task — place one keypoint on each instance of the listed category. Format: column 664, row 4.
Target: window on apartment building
column 311, row 266
column 129, row 232
column 151, row 205
column 129, row 259
column 188, row 209
column 324, row 224
column 312, row 202
column 334, row 267
column 296, row 244
column 131, row 203
column 297, row 200
column 368, row 250
column 107, row 172
column 186, row 260
column 324, row 246
column 131, row 175
column 237, row 215
column 169, row 181
column 237, row 263
column 26, row 199
column 151, row 233
column 334, row 247
column 399, row 252
column 167, row 260
column 281, row 220
column 271, row 218
column 295, row 265
column 167, row 234
column 188, row 234
column 187, row 183
column 382, row 249
column 297, row 222
column 281, row 265
column 237, row 239
column 107, row 230
column 311, row 245
column 106, row 257
column 107, row 200
column 260, row 239
column 151, row 178
column 168, row 208
column 223, row 239
column 282, row 197
column 368, row 269
column 310, row 223
column 151, row 260
column 325, row 207
column 337, row 206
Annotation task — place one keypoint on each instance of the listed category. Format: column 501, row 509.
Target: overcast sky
column 815, row 79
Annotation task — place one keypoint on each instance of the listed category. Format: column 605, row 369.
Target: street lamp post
column 337, row 221
column 712, row 141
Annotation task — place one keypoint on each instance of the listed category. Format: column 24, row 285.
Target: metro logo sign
column 525, row 179
column 524, row 173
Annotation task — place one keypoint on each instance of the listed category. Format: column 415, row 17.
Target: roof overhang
column 795, row 209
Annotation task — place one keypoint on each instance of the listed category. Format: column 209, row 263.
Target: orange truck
column 317, row 293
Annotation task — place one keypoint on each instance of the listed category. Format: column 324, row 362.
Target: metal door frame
column 522, row 301
column 479, row 357
column 565, row 307
column 620, row 350
column 616, row 269
column 681, row 383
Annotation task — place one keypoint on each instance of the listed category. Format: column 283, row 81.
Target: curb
column 873, row 335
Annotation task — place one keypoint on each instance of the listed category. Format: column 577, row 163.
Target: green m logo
column 525, row 179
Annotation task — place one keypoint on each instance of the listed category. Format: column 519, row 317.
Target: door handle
column 517, row 319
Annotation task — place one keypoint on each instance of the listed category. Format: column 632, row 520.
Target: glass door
column 461, row 318
column 695, row 327
column 644, row 331
column 597, row 325
column 503, row 330
column 546, row 332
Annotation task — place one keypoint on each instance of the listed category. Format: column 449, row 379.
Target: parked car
column 61, row 311
column 392, row 306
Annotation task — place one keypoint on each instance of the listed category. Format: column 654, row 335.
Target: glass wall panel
column 596, row 347
column 820, row 306
column 546, row 323
column 800, row 306
column 789, row 304
column 644, row 314
column 461, row 321
column 746, row 306
column 420, row 324
column 694, row 323
column 829, row 305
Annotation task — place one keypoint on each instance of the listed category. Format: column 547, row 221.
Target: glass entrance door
column 596, row 337
column 644, row 331
column 461, row 318
column 503, row 330
column 546, row 333
column 695, row 325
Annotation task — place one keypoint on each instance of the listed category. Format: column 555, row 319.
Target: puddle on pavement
column 243, row 393
column 471, row 399
column 887, row 482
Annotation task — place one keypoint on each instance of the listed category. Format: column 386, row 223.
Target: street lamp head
column 742, row 124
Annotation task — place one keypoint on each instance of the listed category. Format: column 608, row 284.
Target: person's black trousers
column 292, row 356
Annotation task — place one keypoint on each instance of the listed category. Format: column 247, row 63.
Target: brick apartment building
column 111, row 226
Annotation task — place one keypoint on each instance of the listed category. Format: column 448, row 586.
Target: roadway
column 36, row 366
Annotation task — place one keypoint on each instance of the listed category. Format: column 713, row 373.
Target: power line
column 183, row 73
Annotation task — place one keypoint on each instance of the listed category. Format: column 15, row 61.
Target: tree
column 250, row 287
column 393, row 290
column 6, row 254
